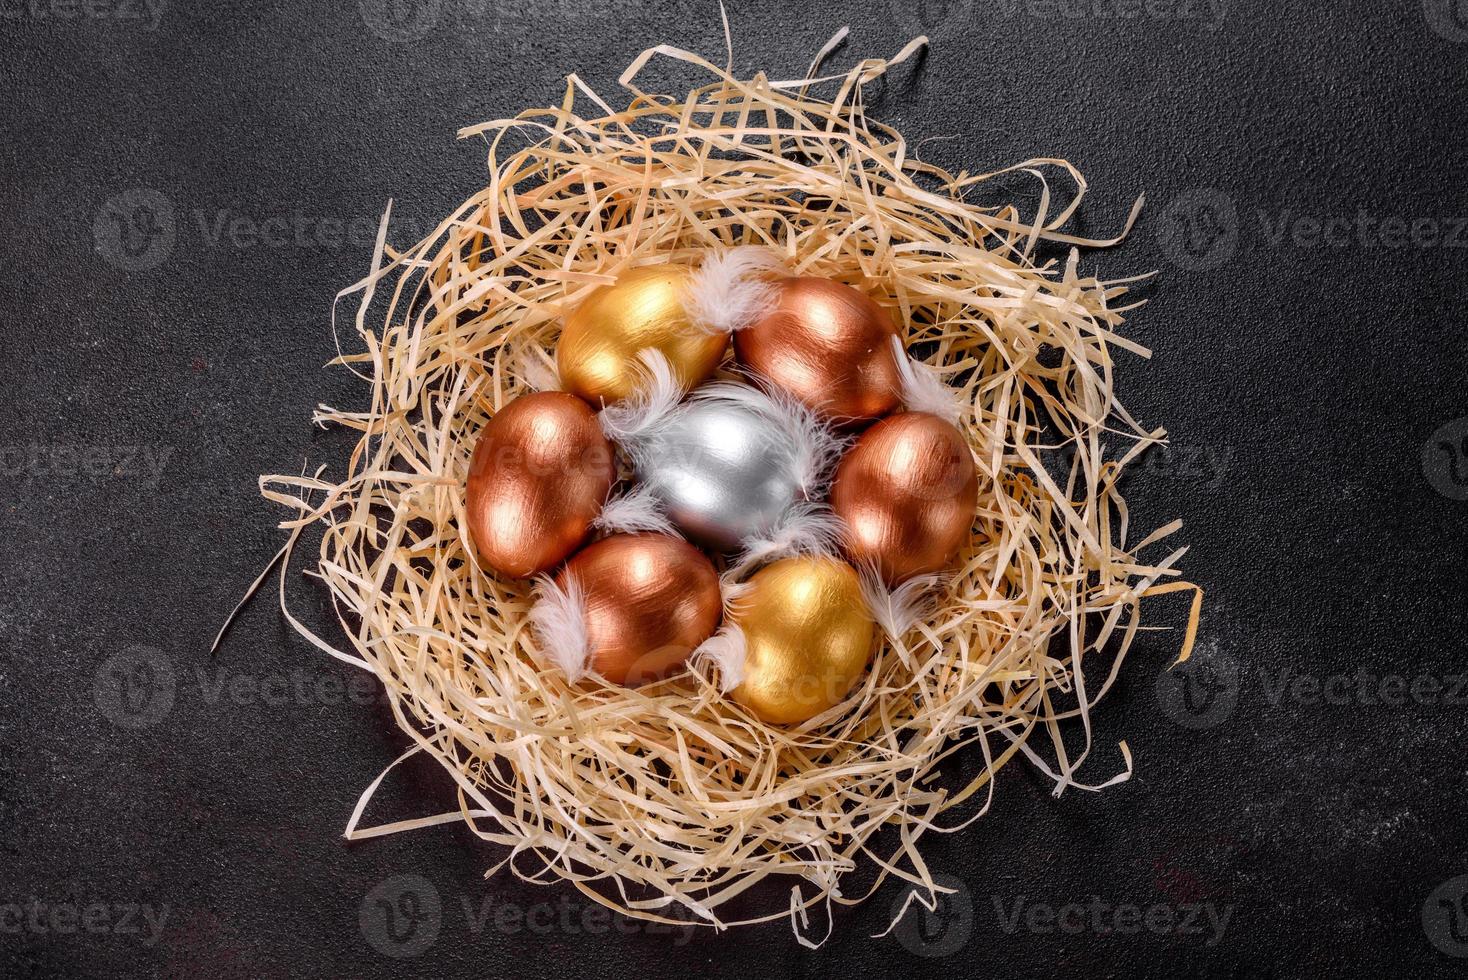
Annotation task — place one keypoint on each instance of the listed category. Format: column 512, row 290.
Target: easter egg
column 829, row 346
column 597, row 356
column 540, row 473
column 727, row 465
column 647, row 601
column 807, row 638
column 906, row 493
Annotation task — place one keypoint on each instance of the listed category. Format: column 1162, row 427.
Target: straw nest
column 669, row 801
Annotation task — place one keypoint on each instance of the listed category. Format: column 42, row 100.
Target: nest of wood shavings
column 668, row 801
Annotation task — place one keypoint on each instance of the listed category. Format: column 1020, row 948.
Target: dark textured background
column 1313, row 384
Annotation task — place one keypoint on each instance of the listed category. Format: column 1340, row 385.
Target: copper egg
column 829, row 346
column 539, row 476
column 906, row 493
column 649, row 600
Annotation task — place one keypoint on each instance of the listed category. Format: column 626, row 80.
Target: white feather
column 813, row 446
column 636, row 510
column 731, row 591
column 538, row 370
column 725, row 650
column 804, row 529
column 559, row 620
column 899, row 608
column 732, row 289
column 923, row 390
column 658, row 392
column 817, row 446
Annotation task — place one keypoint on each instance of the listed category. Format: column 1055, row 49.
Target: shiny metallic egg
column 721, row 472
column 540, row 472
column 906, row 493
column 807, row 637
column 649, row 600
column 597, row 355
column 829, row 346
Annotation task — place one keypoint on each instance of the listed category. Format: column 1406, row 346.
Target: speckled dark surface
column 1313, row 381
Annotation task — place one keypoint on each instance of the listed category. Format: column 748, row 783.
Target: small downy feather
column 817, row 446
column 732, row 288
column 726, row 651
column 538, row 369
column 804, row 529
column 559, row 620
column 636, row 510
column 732, row 591
column 923, row 390
column 658, row 393
column 899, row 608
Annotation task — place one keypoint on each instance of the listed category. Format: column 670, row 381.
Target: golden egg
column 649, row 600
column 906, row 493
column 807, row 636
column 540, row 473
column 644, row 308
column 829, row 346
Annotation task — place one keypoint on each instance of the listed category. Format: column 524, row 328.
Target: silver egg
column 722, row 470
